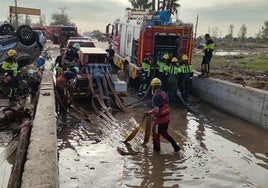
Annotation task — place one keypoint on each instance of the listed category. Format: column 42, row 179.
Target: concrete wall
column 245, row 102
column 41, row 168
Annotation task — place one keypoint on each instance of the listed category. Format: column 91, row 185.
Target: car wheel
column 26, row 35
column 6, row 29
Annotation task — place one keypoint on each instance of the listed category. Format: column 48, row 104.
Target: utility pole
column 16, row 15
column 196, row 27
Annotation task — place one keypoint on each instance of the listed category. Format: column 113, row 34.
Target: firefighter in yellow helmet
column 173, row 79
column 10, row 67
column 145, row 74
column 185, row 77
column 162, row 74
column 160, row 111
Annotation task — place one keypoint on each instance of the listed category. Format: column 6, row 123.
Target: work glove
column 145, row 114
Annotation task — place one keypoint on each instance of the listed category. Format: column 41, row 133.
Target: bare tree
column 28, row 20
column 42, row 20
column 231, row 30
column 242, row 32
column 215, row 32
column 61, row 18
column 264, row 31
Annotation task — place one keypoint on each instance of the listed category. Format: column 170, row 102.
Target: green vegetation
column 247, row 70
column 243, row 62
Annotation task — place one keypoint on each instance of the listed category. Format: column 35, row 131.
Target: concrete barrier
column 41, row 167
column 247, row 103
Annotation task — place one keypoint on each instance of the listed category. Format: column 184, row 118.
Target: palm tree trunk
column 153, row 5
column 164, row 5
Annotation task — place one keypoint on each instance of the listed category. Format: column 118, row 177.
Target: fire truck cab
column 142, row 32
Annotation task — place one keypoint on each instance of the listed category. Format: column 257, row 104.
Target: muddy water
column 219, row 150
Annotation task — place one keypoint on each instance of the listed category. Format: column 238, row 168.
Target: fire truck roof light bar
column 168, row 34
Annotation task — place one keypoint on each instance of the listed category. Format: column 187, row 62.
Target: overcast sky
column 96, row 14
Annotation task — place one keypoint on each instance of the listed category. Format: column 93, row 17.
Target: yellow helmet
column 165, row 56
column 11, row 53
column 174, row 60
column 184, row 57
column 156, row 82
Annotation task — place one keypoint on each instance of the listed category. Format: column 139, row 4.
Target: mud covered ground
column 230, row 62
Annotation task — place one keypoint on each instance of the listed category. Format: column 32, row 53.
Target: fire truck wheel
column 26, row 35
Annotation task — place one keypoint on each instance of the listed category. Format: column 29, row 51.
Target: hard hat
column 165, row 56
column 184, row 57
column 156, row 82
column 174, row 60
column 76, row 46
column 11, row 53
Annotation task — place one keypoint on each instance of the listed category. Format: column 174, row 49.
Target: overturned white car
column 24, row 40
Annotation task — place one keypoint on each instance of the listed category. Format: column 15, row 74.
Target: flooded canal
column 219, row 150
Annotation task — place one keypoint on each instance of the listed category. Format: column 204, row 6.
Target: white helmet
column 76, row 46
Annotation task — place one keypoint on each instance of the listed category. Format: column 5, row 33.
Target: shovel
column 135, row 131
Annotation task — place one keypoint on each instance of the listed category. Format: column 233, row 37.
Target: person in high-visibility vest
column 173, row 78
column 10, row 67
column 185, row 77
column 145, row 74
column 163, row 67
column 208, row 52
column 70, row 58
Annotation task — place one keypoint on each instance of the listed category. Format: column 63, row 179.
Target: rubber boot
column 156, row 148
column 174, row 144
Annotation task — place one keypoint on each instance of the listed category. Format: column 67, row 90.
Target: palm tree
column 140, row 4
column 171, row 5
column 153, row 4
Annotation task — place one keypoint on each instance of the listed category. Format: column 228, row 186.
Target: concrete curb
column 247, row 103
column 41, row 167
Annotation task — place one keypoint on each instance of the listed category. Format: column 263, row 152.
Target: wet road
column 219, row 151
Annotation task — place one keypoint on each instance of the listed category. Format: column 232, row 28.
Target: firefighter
column 58, row 63
column 208, row 50
column 163, row 67
column 185, row 77
column 161, row 119
column 110, row 56
column 71, row 57
column 173, row 78
column 145, row 74
column 64, row 84
column 10, row 67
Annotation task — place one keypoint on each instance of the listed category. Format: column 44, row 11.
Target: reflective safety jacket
column 162, row 65
column 10, row 66
column 160, row 99
column 209, row 47
column 186, row 68
column 174, row 69
column 146, row 68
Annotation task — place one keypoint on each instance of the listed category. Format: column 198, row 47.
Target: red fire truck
column 59, row 34
column 141, row 32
